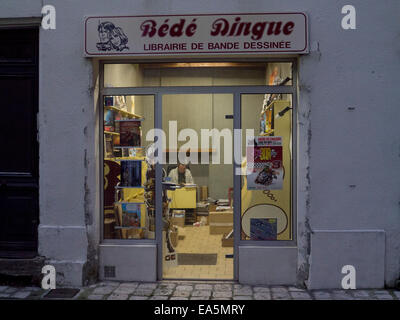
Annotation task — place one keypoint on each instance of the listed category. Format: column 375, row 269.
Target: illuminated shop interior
column 197, row 215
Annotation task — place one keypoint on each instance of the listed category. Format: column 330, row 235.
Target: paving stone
column 147, row 285
column 223, row 287
column 115, row 296
column 243, row 292
column 10, row 290
column 167, row 285
column 397, row 294
column 341, row 296
column 21, row 294
column 280, row 296
column 300, row 295
column 203, row 287
column 384, row 296
column 31, row 288
column 124, row 290
column 241, row 286
column 222, row 294
column 163, row 292
column 143, row 292
column 380, row 292
column 221, row 298
column 279, row 290
column 37, row 294
column 103, row 290
column 4, row 295
column 262, row 296
column 295, row 289
column 201, row 293
column 138, row 298
column 178, row 298
column 200, row 298
column 360, row 294
column 3, row 288
column 178, row 293
column 109, row 284
column 242, row 298
column 322, row 295
column 261, row 289
column 129, row 285
column 184, row 288
column 95, row 297
column 159, row 298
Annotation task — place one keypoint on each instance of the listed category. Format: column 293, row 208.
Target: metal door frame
column 236, row 91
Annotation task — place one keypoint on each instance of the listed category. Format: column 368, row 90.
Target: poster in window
column 130, row 133
column 264, row 163
column 263, row 228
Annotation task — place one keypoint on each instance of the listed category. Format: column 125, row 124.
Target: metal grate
column 109, row 271
column 63, row 293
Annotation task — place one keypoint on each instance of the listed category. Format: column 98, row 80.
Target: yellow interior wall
column 283, row 197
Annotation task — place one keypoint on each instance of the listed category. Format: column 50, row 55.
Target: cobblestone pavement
column 184, row 290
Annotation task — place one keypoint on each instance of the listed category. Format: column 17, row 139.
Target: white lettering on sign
column 197, row 34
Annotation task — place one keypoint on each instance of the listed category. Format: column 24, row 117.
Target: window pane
column 266, row 188
column 197, row 74
column 129, row 182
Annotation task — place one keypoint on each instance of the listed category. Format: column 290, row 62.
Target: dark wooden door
column 19, row 185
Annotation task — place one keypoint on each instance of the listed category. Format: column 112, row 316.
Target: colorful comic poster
column 264, row 163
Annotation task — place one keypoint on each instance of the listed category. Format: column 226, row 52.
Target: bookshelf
column 123, row 146
column 124, row 113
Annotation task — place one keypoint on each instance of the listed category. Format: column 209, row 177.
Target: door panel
column 18, row 141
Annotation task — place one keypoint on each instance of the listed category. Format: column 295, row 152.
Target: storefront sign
column 196, row 34
column 264, row 163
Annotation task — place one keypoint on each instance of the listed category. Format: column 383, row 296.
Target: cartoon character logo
column 111, row 37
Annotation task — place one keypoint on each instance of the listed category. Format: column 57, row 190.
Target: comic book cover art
column 130, row 133
column 131, row 173
column 109, row 121
column 130, row 215
column 264, row 163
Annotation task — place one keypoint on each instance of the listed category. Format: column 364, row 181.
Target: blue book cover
column 131, row 173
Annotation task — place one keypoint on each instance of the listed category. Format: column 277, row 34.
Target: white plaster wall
column 348, row 161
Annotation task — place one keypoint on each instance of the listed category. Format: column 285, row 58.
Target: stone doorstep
column 22, row 267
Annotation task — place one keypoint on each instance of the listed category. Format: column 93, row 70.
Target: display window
column 212, row 185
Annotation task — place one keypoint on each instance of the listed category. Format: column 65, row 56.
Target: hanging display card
column 264, row 163
column 130, row 133
column 131, row 215
column 131, row 173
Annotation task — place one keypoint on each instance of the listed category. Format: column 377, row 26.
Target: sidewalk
column 196, row 290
